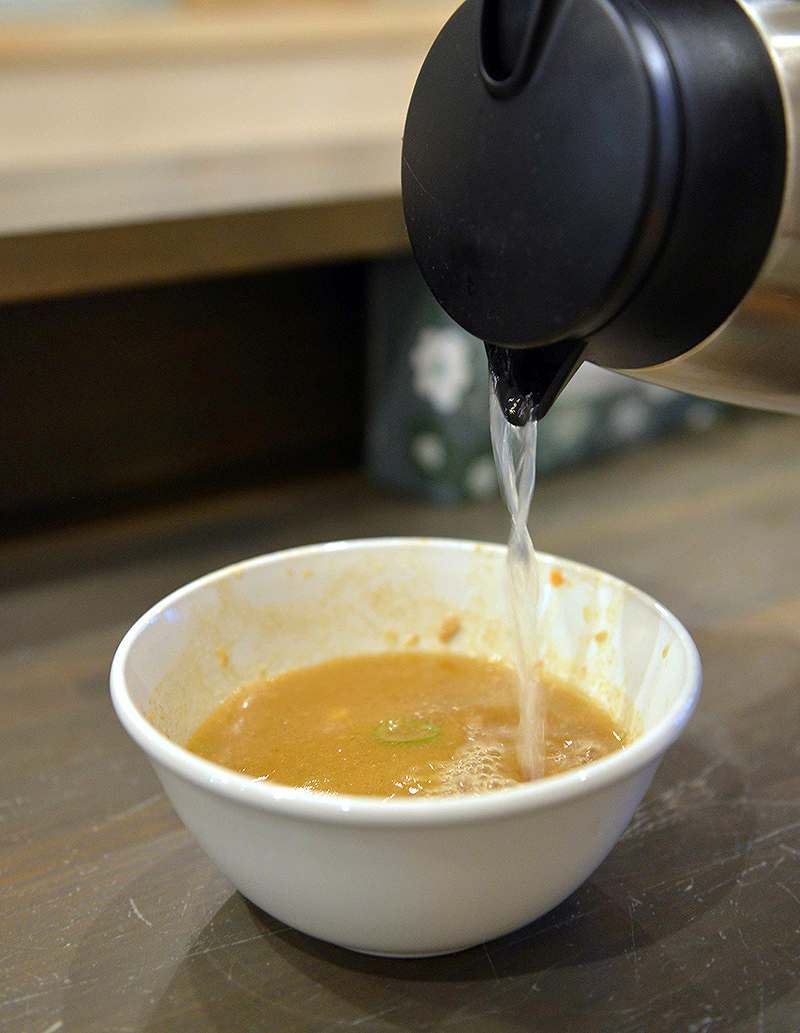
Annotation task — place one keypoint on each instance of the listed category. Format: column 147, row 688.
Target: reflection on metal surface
column 754, row 358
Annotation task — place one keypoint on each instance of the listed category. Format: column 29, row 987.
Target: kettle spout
column 528, row 380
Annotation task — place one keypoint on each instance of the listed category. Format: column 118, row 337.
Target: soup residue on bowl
column 399, row 725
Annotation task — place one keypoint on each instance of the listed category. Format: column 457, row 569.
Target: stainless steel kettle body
column 753, row 359
column 615, row 181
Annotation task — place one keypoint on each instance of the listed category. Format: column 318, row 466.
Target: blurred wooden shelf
column 197, row 27
column 191, row 118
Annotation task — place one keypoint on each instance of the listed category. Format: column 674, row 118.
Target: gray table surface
column 112, row 919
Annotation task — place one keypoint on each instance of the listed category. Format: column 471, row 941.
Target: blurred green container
column 428, row 427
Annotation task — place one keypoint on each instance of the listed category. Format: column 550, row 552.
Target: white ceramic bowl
column 404, row 877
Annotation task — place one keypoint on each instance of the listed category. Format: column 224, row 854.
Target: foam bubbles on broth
column 479, row 766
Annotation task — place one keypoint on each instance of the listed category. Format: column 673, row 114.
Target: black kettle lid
column 565, row 161
column 543, row 144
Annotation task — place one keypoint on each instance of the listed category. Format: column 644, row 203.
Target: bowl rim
column 307, row 804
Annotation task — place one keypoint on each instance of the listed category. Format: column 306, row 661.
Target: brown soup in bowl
column 397, row 725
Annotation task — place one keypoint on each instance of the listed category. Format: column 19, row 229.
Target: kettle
column 614, row 181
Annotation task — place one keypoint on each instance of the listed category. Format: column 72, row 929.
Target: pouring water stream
column 514, row 450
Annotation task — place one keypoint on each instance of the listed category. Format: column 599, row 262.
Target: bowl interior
column 304, row 606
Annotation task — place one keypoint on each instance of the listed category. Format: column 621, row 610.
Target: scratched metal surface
column 112, row 920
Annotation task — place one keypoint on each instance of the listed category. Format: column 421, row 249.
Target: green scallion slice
column 406, row 731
